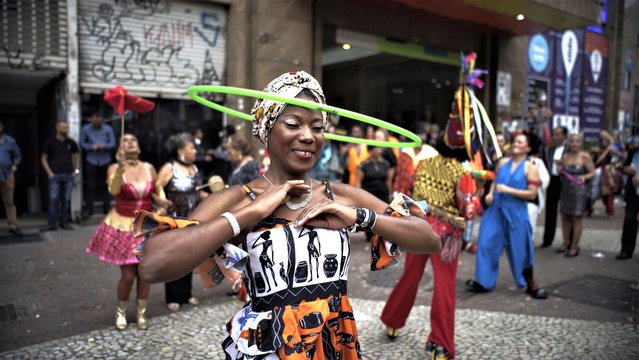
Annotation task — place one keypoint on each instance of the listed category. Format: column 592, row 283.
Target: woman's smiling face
column 296, row 139
column 520, row 145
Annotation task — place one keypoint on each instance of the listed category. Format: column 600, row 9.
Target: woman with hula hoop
column 303, row 317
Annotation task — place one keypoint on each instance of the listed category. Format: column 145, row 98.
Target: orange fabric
column 393, row 139
column 148, row 224
column 383, row 252
column 211, row 266
column 354, row 160
column 293, row 334
column 380, row 258
column 405, row 174
column 303, row 330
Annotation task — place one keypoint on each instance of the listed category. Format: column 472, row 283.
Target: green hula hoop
column 194, row 90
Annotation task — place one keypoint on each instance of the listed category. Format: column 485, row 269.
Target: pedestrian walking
column 553, row 157
column 180, row 180
column 611, row 177
column 540, row 117
column 294, row 230
column 204, row 156
column 631, row 193
column 245, row 167
column 10, row 158
column 536, row 205
column 576, row 169
column 132, row 183
column 98, row 142
column 355, row 155
column 506, row 225
column 60, row 158
column 330, row 165
column 375, row 176
column 221, row 163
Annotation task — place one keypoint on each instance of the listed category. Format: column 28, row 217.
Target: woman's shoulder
column 166, row 166
column 502, row 161
column 585, row 155
column 533, row 161
column 228, row 199
column 343, row 190
column 147, row 164
column 531, row 165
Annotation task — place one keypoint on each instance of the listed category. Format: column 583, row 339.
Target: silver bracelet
column 233, row 221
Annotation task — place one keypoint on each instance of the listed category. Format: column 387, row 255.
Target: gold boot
column 141, row 313
column 120, row 315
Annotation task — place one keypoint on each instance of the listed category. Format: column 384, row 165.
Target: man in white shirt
column 559, row 135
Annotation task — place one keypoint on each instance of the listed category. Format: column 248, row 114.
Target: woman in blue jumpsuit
column 505, row 223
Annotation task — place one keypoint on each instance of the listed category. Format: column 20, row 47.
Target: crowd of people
column 281, row 202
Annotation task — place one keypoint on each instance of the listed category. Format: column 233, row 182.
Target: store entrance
column 29, row 111
column 399, row 90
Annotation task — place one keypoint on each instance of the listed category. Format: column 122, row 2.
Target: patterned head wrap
column 265, row 112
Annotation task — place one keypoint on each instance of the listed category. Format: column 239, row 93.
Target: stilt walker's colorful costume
column 446, row 181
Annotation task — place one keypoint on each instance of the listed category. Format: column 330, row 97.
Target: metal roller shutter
column 33, row 34
column 154, row 48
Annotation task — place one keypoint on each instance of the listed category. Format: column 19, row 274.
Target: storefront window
column 153, row 129
column 402, row 90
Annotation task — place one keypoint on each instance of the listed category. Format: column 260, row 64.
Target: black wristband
column 365, row 219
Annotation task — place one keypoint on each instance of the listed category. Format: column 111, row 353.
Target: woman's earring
column 182, row 158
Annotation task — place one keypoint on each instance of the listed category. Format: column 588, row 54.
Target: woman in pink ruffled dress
column 132, row 183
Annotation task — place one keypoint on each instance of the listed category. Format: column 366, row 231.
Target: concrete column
column 615, row 62
column 73, row 97
column 266, row 39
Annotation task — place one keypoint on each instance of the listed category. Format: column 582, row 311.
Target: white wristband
column 233, row 221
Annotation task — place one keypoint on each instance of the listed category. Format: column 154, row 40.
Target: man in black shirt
column 60, row 159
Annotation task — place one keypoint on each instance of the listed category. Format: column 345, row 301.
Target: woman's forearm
column 172, row 254
column 409, row 232
column 528, row 194
column 114, row 183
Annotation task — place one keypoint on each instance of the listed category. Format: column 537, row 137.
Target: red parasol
column 120, row 100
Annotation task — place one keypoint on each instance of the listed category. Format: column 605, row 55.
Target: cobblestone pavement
column 196, row 333
column 63, row 304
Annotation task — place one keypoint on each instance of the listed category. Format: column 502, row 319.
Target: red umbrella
column 120, row 100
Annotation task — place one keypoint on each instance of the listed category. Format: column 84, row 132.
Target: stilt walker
column 446, row 179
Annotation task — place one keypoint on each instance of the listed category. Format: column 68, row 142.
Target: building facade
column 394, row 59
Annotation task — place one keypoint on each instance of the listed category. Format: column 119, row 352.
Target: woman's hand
column 163, row 203
column 276, row 195
column 327, row 214
column 120, row 157
column 489, row 199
